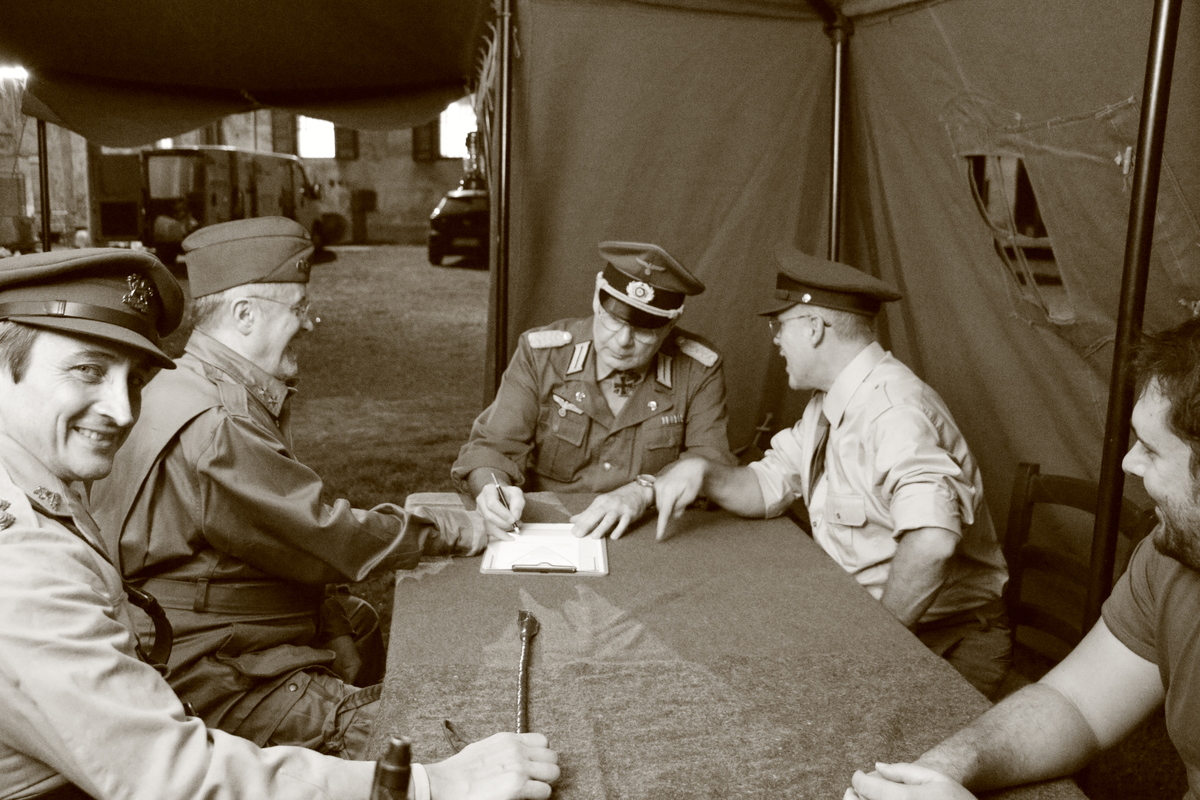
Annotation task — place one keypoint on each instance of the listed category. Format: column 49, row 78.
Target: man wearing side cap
column 603, row 403
column 892, row 491
column 83, row 711
column 210, row 511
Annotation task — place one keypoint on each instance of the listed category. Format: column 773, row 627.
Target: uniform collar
column 848, row 381
column 603, row 372
column 46, row 491
column 269, row 390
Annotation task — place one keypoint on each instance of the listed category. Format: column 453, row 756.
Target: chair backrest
column 1031, row 488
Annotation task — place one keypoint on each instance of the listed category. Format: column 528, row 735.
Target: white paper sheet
column 546, row 549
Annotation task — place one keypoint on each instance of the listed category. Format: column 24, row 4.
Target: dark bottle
column 392, row 771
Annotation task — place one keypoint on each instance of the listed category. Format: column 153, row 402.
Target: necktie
column 816, row 467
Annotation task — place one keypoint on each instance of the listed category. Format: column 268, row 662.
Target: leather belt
column 202, row 596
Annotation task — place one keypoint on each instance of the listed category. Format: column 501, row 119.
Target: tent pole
column 44, row 183
column 841, row 40
column 501, row 195
column 839, row 29
column 1139, row 239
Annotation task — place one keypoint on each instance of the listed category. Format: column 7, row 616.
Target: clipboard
column 546, row 548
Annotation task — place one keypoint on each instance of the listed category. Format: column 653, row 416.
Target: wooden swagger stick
column 529, row 627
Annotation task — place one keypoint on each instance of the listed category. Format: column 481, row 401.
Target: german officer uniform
column 78, row 706
column 550, row 427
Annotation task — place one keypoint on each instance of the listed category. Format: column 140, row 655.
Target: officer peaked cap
column 126, row 297
column 258, row 250
column 808, row 280
column 643, row 285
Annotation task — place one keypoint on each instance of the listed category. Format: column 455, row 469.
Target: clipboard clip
column 543, row 567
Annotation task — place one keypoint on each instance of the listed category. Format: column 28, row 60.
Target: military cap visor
column 803, row 279
column 120, row 296
column 257, row 250
column 643, row 284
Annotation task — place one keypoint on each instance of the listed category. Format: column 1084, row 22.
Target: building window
column 446, row 136
column 283, row 132
column 345, row 141
column 454, row 124
column 1004, row 196
column 315, row 138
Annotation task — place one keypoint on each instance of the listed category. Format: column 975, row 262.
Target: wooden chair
column 1061, row 571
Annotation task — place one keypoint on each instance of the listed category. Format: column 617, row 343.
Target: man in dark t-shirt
column 1144, row 652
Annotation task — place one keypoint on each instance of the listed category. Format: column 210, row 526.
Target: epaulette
column 542, row 340
column 879, row 401
column 700, row 352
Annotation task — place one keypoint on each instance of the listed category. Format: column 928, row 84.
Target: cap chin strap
column 71, row 310
column 638, row 304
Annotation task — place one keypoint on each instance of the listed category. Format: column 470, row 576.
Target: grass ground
column 391, row 378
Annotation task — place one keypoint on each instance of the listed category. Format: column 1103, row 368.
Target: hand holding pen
column 514, row 514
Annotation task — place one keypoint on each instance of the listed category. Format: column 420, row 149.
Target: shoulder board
column 541, row 340
column 702, row 353
column 880, row 401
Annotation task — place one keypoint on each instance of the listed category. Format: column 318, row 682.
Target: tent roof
column 127, row 72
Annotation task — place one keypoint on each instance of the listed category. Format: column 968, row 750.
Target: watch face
column 645, row 480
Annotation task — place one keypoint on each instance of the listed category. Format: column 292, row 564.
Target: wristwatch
column 646, row 480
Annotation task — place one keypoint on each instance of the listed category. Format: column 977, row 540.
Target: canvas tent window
column 1004, row 196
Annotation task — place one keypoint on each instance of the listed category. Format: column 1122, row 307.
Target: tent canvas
column 709, row 134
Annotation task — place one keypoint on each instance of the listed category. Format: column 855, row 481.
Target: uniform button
column 292, row 687
column 607, row 465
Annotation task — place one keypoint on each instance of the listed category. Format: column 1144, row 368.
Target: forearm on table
column 735, row 489
column 917, row 572
column 1033, row 735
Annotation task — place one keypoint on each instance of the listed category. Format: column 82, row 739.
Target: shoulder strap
column 171, row 401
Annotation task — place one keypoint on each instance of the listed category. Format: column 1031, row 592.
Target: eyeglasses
column 614, row 325
column 300, row 310
column 776, row 323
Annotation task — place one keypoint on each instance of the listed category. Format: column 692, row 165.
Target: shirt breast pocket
column 848, row 510
column 662, row 445
column 562, row 444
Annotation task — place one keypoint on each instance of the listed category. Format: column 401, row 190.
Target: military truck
column 158, row 196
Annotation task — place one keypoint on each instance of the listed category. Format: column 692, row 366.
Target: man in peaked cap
column 603, row 403
column 210, row 511
column 83, row 714
column 892, row 491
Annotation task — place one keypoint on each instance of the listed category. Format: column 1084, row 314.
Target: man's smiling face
column 75, row 404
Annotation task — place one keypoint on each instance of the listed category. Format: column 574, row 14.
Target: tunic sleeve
column 502, row 437
column 707, row 431
column 76, row 702
column 262, row 506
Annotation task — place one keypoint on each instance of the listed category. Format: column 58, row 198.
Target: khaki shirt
column 76, row 704
column 207, row 494
column 895, row 462
column 550, row 427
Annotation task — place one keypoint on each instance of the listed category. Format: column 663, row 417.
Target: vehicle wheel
column 435, row 257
